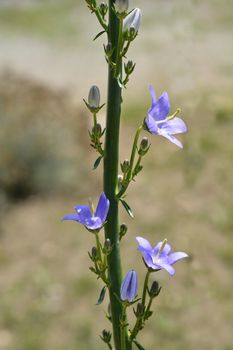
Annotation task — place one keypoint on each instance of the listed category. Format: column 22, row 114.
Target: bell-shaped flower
column 93, row 221
column 129, row 286
column 158, row 122
column 159, row 257
column 133, row 20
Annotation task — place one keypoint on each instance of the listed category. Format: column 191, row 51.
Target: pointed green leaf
column 98, row 35
column 102, row 295
column 97, row 162
column 127, row 207
column 139, row 346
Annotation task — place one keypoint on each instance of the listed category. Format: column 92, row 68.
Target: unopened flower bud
column 94, row 253
column 108, row 49
column 106, row 336
column 125, row 166
column 155, row 289
column 133, row 20
column 107, row 246
column 144, row 146
column 119, row 179
column 129, row 67
column 94, row 97
column 129, row 286
column 123, row 230
column 97, row 130
column 140, row 310
column 121, row 6
column 103, row 8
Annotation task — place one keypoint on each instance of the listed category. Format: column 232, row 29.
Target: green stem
column 123, row 329
column 140, row 319
column 133, row 153
column 94, row 119
column 145, row 287
column 98, row 246
column 101, row 21
column 118, row 67
column 111, row 159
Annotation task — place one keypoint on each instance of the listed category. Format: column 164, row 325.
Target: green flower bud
column 94, row 253
column 154, row 290
column 125, row 166
column 106, row 336
column 129, row 67
column 144, row 146
column 140, row 310
column 97, row 130
column 103, row 9
column 108, row 50
column 123, row 230
column 94, row 97
column 107, row 246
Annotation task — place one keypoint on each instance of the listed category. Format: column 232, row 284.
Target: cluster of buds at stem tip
column 144, row 146
column 132, row 23
column 121, row 6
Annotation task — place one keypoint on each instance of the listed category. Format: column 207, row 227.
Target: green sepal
column 99, row 34
column 97, row 162
column 102, row 295
column 138, row 345
column 127, row 208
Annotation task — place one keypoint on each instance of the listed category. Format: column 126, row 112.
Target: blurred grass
column 47, row 293
column 46, row 19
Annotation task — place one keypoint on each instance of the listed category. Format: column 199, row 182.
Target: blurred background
column 48, row 61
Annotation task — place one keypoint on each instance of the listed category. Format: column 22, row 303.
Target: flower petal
column 74, row 217
column 174, row 257
column 171, row 138
column 93, row 223
column 102, row 207
column 174, row 126
column 83, row 212
column 148, row 259
column 153, row 95
column 165, row 265
column 144, row 243
column 161, row 108
column 151, row 124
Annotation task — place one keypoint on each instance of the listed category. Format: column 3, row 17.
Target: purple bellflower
column 129, row 286
column 93, row 221
column 158, row 122
column 159, row 257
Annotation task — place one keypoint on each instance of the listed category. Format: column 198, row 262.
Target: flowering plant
column 121, row 29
